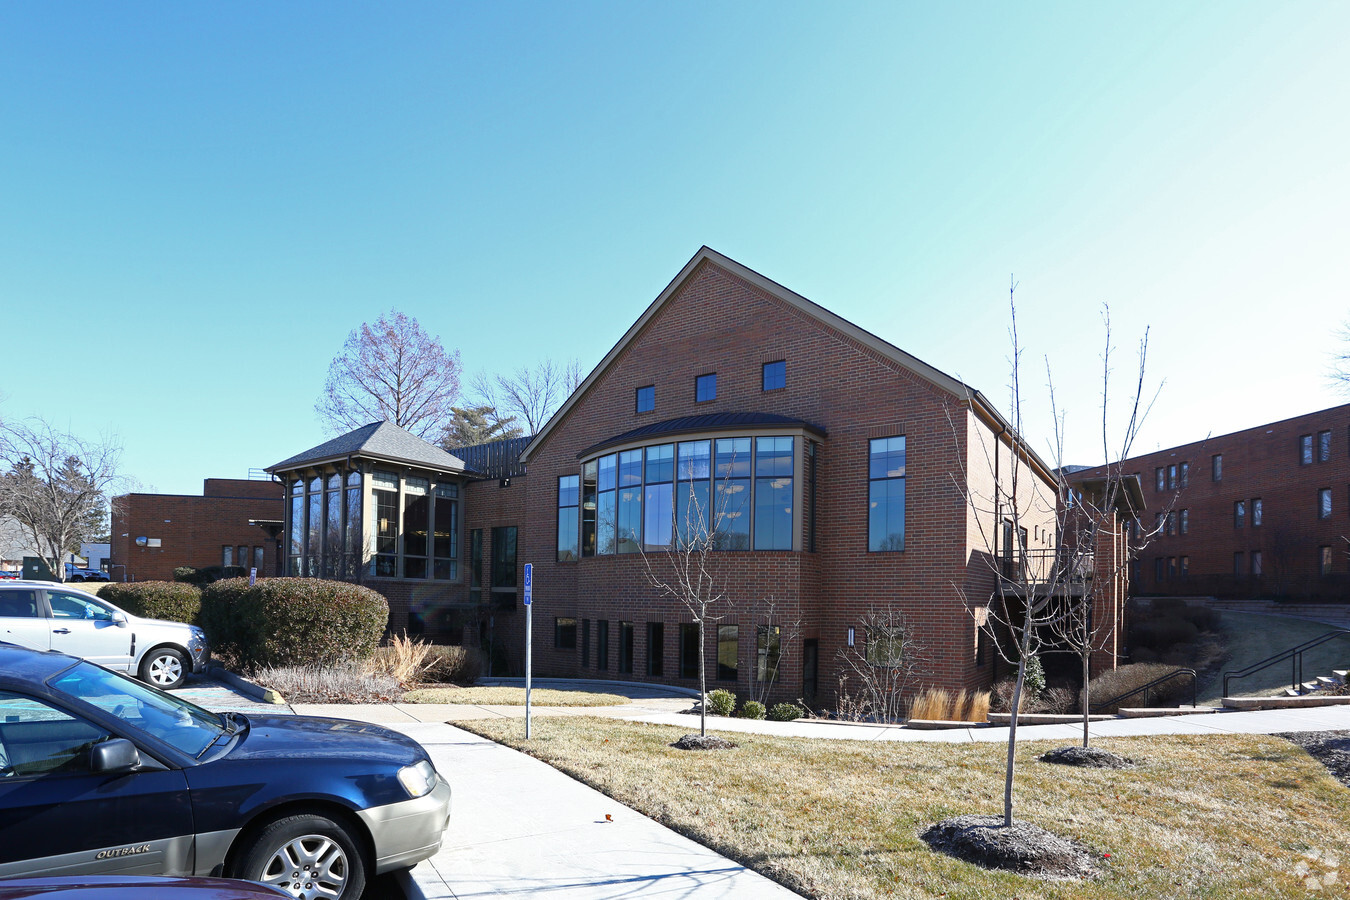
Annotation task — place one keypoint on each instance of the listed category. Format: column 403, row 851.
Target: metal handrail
column 1144, row 689
column 1294, row 654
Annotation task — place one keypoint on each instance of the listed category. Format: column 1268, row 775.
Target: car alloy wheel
column 165, row 668
column 309, row 857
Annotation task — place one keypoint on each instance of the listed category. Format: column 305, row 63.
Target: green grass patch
column 512, row 696
column 1202, row 817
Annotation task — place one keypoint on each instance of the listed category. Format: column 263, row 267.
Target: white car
column 46, row 616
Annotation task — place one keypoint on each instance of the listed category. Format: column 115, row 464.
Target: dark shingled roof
column 378, row 440
column 729, row 421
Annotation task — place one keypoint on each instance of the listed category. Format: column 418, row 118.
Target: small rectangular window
column 656, row 647
column 1256, row 562
column 1171, row 567
column 1216, row 467
column 1185, row 474
column 1323, row 446
column 1184, row 567
column 1324, row 503
column 1172, row 477
column 646, row 398
column 728, row 649
column 1158, row 567
column 1238, row 568
column 1171, row 523
column 775, row 375
column 1305, row 456
column 688, row 650
column 586, row 642
column 1257, row 510
column 1185, row 521
column 625, row 647
column 602, row 644
column 564, row 633
column 705, row 388
column 768, row 652
column 1239, row 513
column 1324, row 560
column 1160, row 479
column 227, row 555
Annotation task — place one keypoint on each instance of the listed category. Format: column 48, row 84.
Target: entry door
column 22, row 620
column 83, row 627
column 57, row 817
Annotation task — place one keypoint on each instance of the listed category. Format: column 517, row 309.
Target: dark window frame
column 564, row 633
column 777, row 374
column 705, row 384
column 648, row 393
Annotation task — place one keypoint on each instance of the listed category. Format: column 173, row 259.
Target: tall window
column 731, row 497
column 295, row 552
column 354, row 542
column 1256, row 562
column 476, row 566
column 646, row 398
column 1185, row 521
column 659, row 497
column 586, row 642
column 1324, row 560
column 625, row 647
column 569, row 498
column 656, row 647
column 705, row 388
column 630, row 501
column 1239, row 513
column 1160, row 479
column 227, row 555
column 1324, row 503
column 1171, row 523
column 768, row 652
column 314, row 531
column 1216, row 467
column 1257, row 510
column 258, row 559
column 1185, row 566
column 589, row 476
column 504, row 566
column 693, row 503
column 602, row 644
column 775, row 375
column 1305, row 449
column 445, row 546
column 886, row 494
column 1323, row 446
column 728, row 646
column 688, row 650
column 332, row 530
column 1185, row 474
column 773, row 493
column 1172, row 477
column 606, row 511
column 1238, row 563
column 416, row 522
column 384, row 485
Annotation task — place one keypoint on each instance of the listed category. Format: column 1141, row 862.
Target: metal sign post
column 529, row 640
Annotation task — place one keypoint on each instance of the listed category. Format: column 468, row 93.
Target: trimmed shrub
column 785, row 712
column 454, row 665
column 721, row 703
column 208, row 575
column 293, row 621
column 156, row 599
column 752, row 709
column 1034, row 683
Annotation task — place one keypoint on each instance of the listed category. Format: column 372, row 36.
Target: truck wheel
column 307, row 856
column 164, row 667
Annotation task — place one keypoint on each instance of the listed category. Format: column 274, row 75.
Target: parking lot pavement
column 519, row 826
column 219, row 696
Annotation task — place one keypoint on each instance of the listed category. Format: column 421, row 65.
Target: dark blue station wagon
column 104, row 775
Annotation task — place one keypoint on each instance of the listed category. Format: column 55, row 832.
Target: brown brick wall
column 1261, row 462
column 193, row 530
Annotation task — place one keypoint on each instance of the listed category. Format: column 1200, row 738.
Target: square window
column 705, row 388
column 565, row 633
column 775, row 375
column 646, row 398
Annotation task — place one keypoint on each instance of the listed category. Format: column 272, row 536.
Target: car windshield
column 184, row 726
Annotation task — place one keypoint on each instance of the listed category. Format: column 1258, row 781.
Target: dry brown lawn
column 512, row 696
column 1202, row 816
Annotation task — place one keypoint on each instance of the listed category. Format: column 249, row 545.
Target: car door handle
column 60, row 631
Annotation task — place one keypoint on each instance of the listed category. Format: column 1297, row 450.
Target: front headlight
column 419, row 779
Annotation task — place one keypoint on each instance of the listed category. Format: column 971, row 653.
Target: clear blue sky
column 198, row 201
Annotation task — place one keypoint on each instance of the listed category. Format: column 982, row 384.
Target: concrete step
column 1310, row 686
column 1340, row 675
column 1290, row 692
column 1248, row 703
column 1325, row 681
column 1150, row 712
column 1045, row 718
column 940, row 724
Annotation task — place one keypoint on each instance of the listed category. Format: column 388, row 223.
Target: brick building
column 152, row 534
column 834, row 471
column 1259, row 512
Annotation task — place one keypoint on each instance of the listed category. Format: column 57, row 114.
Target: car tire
column 165, row 668
column 77, row 579
column 307, row 856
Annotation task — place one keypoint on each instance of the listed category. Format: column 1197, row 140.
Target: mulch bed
column 702, row 742
column 1088, row 757
column 1330, row 748
column 1023, row 848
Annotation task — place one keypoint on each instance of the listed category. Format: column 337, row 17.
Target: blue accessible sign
column 529, row 582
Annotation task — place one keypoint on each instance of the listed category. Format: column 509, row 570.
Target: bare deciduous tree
column 393, row 371
column 775, row 636
column 888, row 660
column 56, row 486
column 530, row 395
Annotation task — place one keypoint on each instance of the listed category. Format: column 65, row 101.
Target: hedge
column 169, row 600
column 293, row 621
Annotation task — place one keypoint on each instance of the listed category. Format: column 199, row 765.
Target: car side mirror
column 120, row 619
column 113, row 756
